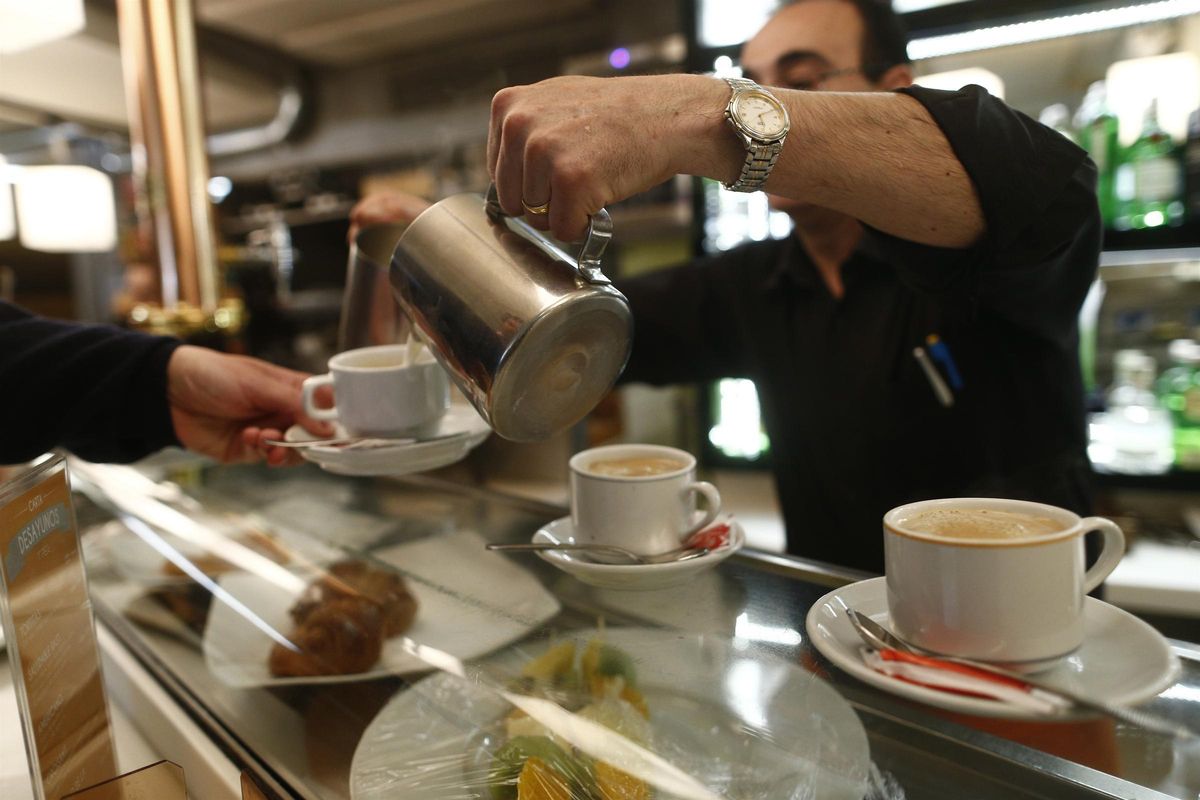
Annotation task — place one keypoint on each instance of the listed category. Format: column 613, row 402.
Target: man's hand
column 384, row 207
column 581, row 143
column 227, row 406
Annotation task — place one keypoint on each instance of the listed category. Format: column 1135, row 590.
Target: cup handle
column 309, row 388
column 712, row 501
column 1110, row 553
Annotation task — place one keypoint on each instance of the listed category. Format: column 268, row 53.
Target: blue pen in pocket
column 941, row 354
column 940, row 390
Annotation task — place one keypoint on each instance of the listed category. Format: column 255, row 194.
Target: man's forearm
column 879, row 157
column 579, row 143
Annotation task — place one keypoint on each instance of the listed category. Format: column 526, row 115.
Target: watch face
column 761, row 116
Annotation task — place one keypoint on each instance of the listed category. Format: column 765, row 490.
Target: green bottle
column 1096, row 128
column 1191, row 168
column 1149, row 180
column 1178, row 391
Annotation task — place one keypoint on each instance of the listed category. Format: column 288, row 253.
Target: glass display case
column 475, row 674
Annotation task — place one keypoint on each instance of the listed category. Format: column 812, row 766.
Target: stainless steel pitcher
column 533, row 337
column 370, row 315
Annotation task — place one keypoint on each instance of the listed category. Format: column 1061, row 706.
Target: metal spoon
column 346, row 442
column 611, row 551
column 359, row 442
column 881, row 638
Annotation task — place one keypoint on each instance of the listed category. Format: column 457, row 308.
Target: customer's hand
column 226, row 406
column 581, row 143
column 384, row 207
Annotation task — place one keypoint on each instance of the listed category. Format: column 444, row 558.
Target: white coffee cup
column 377, row 393
column 645, row 513
column 1006, row 599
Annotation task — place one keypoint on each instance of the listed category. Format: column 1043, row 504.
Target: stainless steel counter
column 301, row 738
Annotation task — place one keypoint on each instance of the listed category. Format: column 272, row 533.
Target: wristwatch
column 761, row 122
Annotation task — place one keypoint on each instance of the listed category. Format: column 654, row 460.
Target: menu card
column 250, row 790
column 47, row 617
column 161, row 781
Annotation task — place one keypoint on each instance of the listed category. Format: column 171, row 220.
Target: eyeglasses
column 807, row 78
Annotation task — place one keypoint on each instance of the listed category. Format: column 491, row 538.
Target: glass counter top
column 474, row 674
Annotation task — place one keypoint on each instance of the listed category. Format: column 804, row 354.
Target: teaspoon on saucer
column 357, row 442
column 880, row 638
column 620, row 554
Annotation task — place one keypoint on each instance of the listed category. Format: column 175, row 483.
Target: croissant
column 357, row 579
column 339, row 637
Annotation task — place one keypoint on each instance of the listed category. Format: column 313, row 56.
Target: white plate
column 1123, row 660
column 745, row 723
column 136, row 560
column 470, row 602
column 462, row 424
column 632, row 576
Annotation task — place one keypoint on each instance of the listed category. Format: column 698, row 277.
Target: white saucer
column 631, row 576
column 462, row 424
column 1122, row 661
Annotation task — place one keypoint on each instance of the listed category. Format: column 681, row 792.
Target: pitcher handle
column 600, row 231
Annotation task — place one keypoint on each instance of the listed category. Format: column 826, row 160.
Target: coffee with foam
column 980, row 524
column 636, row 466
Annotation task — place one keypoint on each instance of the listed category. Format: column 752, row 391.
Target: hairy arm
column 582, row 143
column 882, row 159
column 878, row 157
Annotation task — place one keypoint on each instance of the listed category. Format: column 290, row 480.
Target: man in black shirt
column 917, row 213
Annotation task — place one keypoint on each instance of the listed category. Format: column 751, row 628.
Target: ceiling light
column 1050, row 28
column 909, row 6
column 219, row 188
column 28, row 23
column 65, row 209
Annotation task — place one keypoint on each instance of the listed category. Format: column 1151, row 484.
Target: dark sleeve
column 96, row 390
column 1038, row 257
column 683, row 327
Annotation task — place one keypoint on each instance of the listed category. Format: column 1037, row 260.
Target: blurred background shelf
column 1174, row 481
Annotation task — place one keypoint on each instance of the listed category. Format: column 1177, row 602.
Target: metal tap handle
column 600, row 231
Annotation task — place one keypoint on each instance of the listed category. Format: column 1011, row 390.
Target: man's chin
column 796, row 209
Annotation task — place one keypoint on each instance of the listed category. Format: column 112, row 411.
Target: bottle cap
column 1184, row 351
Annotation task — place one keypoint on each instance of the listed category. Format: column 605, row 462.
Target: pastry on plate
column 354, row 578
column 342, row 619
column 339, row 637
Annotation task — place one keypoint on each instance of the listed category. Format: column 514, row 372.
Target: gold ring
column 538, row 211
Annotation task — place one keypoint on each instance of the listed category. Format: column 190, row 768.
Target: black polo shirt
column 854, row 424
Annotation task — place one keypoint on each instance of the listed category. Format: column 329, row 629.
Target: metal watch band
column 760, row 158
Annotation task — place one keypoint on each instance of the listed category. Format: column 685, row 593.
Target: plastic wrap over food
column 616, row 714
